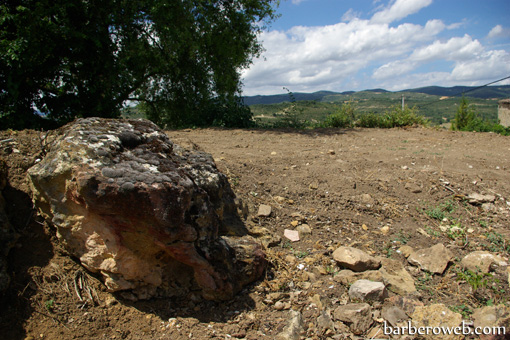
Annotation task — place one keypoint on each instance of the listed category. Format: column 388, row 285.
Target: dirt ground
column 372, row 189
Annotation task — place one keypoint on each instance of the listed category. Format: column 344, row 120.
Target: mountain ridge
column 501, row 91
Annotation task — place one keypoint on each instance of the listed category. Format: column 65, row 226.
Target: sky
column 353, row 45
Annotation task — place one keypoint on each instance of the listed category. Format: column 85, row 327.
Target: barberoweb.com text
column 464, row 329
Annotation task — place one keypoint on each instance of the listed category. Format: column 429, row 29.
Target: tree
column 464, row 116
column 62, row 59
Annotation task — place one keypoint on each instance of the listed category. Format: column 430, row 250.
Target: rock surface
column 148, row 215
column 294, row 327
column 481, row 261
column 365, row 290
column 396, row 278
column 357, row 315
column 436, row 315
column 434, row 259
column 8, row 236
column 355, row 259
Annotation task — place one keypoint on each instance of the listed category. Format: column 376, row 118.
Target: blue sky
column 343, row 45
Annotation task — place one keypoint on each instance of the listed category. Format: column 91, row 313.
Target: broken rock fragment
column 147, row 215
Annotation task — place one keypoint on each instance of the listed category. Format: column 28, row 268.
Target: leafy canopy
column 62, row 59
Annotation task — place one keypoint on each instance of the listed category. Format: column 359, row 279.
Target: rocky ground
column 422, row 214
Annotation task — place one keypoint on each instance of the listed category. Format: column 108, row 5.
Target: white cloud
column 499, row 31
column 399, row 9
column 371, row 54
column 297, row 2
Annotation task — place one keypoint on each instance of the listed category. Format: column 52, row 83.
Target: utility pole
column 403, row 100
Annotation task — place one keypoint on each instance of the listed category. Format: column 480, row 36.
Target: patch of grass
column 49, row 305
column 476, row 280
column 441, row 211
column 497, row 242
column 456, row 231
column 432, row 232
column 301, row 254
column 463, row 310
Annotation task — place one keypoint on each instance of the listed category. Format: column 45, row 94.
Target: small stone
column 477, row 199
column 292, row 235
column 264, row 210
column 294, row 327
column 294, row 223
column 355, row 259
column 433, row 259
column 491, row 316
column 413, row 187
column 357, row 315
column 406, row 250
column 394, row 315
column 385, row 230
column 279, row 305
column 348, row 277
column 304, row 229
column 273, row 153
column 396, row 278
column 314, row 185
column 324, row 322
column 279, row 199
column 377, row 333
column 365, row 290
column 331, row 152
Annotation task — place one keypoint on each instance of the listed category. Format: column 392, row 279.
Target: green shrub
column 369, row 120
column 343, row 118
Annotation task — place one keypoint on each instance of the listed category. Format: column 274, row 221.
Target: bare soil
column 372, row 189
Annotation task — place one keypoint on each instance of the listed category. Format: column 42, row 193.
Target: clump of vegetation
column 466, row 119
column 395, row 117
column 441, row 211
column 343, row 118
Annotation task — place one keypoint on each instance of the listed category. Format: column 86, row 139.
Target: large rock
column 365, row 290
column 355, row 259
column 8, row 236
column 357, row 315
column 438, row 317
column 481, row 261
column 148, row 215
column 396, row 278
column 434, row 259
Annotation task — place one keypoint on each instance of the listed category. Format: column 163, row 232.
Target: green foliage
column 466, row 119
column 464, row 116
column 476, row 280
column 342, row 118
column 497, row 243
column 463, row 309
column 182, row 59
column 441, row 211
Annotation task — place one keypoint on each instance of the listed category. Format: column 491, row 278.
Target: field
column 437, row 109
column 372, row 189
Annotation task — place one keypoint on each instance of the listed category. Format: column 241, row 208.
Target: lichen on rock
column 148, row 215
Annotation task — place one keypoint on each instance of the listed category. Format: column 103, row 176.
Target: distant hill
column 502, row 91
column 280, row 98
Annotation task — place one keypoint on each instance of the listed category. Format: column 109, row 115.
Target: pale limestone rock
column 365, row 290
column 396, row 278
column 357, row 315
column 347, row 276
column 294, row 327
column 355, row 259
column 434, row 259
column 481, row 261
column 264, row 210
column 436, row 315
